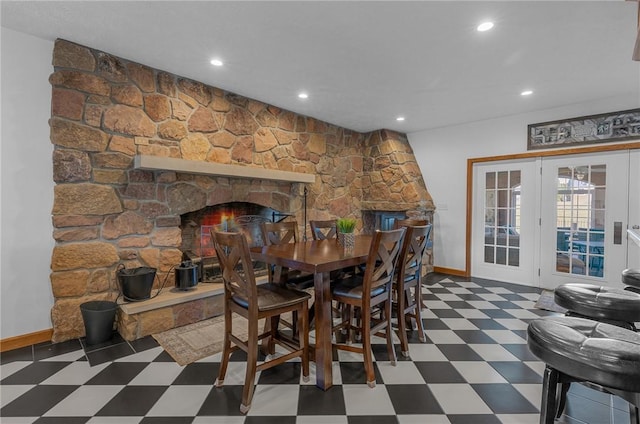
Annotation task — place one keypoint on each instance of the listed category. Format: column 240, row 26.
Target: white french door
column 633, row 243
column 503, row 238
column 584, row 217
column 552, row 220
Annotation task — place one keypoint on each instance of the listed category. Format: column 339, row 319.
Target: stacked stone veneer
column 105, row 110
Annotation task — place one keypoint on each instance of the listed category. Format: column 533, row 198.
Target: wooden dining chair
column 255, row 302
column 408, row 283
column 370, row 294
column 412, row 222
column 327, row 230
column 282, row 233
column 322, row 230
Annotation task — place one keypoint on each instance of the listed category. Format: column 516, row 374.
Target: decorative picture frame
column 603, row 128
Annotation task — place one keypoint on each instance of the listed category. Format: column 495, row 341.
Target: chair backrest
column 409, row 222
column 382, row 260
column 234, row 257
column 322, row 230
column 280, row 232
column 416, row 239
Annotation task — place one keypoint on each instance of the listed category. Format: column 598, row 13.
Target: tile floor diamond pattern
column 475, row 368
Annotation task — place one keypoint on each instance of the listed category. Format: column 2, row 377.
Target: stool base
column 554, row 401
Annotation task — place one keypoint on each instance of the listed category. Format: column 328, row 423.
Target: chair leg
column 312, row 313
column 564, row 388
column 634, row 414
column 226, row 349
column 345, row 331
column 549, row 387
column 273, row 331
column 366, row 348
column 294, row 324
column 357, row 316
column 418, row 314
column 402, row 322
column 389, row 333
column 267, row 346
column 252, row 363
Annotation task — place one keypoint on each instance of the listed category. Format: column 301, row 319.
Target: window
column 502, row 218
column 580, row 217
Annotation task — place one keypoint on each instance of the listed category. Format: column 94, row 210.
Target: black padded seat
column 614, row 306
column 631, row 279
column 583, row 350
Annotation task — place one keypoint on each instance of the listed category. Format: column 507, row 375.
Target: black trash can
column 98, row 317
column 136, row 283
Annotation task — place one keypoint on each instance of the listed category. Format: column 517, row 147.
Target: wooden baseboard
column 17, row 342
column 451, row 271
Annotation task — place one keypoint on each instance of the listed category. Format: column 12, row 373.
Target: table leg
column 322, row 305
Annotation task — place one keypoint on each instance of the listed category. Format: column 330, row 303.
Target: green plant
column 346, row 225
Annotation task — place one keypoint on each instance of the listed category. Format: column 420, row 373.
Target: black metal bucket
column 98, row 317
column 136, row 283
column 186, row 276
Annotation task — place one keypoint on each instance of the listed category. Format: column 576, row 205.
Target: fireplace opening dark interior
column 380, row 220
column 196, row 226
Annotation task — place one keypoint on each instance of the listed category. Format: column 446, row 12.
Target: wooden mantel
column 159, row 163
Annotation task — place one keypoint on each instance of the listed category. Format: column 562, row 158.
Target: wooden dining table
column 319, row 257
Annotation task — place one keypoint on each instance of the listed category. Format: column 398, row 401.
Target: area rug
column 195, row 341
column 546, row 302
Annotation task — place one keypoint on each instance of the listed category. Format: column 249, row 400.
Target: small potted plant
column 345, row 227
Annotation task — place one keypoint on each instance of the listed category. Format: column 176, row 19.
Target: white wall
column 26, row 184
column 442, row 155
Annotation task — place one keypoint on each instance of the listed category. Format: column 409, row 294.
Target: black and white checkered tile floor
column 475, row 368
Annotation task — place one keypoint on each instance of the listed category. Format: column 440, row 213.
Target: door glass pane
column 488, row 254
column 503, row 179
column 501, row 256
column 502, row 218
column 580, row 220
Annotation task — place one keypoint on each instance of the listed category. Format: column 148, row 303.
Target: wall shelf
column 159, row 163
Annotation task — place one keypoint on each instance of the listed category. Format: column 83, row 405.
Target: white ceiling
column 365, row 63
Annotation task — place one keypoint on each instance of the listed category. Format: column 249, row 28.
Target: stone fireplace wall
column 105, row 110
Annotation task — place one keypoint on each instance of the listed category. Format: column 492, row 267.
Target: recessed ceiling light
column 400, row 118
column 485, row 26
column 303, row 96
column 216, row 62
column 526, row 93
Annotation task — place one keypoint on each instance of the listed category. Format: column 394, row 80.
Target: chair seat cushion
column 631, row 277
column 352, row 287
column 599, row 302
column 273, row 296
column 588, row 350
column 300, row 282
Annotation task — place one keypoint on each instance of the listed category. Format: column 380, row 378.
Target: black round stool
column 631, row 279
column 614, row 306
column 587, row 351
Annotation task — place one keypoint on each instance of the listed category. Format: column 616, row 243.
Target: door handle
column 617, row 232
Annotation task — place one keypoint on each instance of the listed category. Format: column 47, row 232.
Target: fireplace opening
column 196, row 226
column 380, row 220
